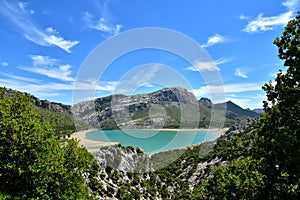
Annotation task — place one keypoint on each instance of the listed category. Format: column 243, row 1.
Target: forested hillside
column 34, row 162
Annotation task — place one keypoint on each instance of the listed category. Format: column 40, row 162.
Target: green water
column 153, row 140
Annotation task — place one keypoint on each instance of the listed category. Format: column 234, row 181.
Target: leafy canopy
column 34, row 164
column 269, row 166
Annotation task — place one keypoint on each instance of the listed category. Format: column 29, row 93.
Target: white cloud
column 232, row 93
column 101, row 24
column 43, row 89
column 107, row 86
column 292, row 5
column 93, row 84
column 204, row 66
column 143, row 76
column 61, row 72
column 4, row 64
column 262, row 23
column 210, row 65
column 60, row 42
column 49, row 67
column 247, row 101
column 239, row 87
column 38, row 60
column 239, row 73
column 226, row 88
column 222, row 60
column 18, row 14
column 215, row 39
column 20, row 78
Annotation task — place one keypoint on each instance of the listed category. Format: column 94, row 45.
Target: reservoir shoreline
column 81, row 136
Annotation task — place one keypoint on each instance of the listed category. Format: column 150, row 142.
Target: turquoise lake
column 153, row 141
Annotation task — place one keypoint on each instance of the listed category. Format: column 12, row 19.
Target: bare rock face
column 125, row 159
column 167, row 108
column 161, row 109
column 206, row 102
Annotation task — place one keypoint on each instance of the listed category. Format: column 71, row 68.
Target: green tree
column 34, row 164
column 267, row 164
column 239, row 179
column 279, row 132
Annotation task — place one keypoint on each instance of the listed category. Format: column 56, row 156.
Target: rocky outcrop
column 52, row 106
column 241, row 126
column 205, row 102
column 125, row 159
column 160, row 109
column 167, row 108
column 129, row 171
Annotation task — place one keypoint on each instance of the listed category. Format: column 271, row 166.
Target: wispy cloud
column 101, row 24
column 200, row 65
column 50, row 89
column 92, row 84
column 262, row 23
column 247, row 101
column 239, row 73
column 4, row 64
column 49, row 67
column 227, row 88
column 292, row 5
column 20, row 78
column 38, row 60
column 18, row 14
column 61, row 72
column 233, row 92
column 215, row 39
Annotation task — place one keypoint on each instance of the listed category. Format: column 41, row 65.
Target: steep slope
column 167, row 108
column 57, row 114
column 233, row 110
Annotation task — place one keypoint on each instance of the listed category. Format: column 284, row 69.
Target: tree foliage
column 279, row 133
column 34, row 164
column 269, row 166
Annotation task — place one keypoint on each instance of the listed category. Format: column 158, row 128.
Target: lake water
column 154, row 140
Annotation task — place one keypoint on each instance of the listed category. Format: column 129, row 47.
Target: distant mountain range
column 167, row 108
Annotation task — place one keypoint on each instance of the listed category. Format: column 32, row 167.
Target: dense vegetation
column 267, row 166
column 62, row 124
column 34, row 162
column 259, row 162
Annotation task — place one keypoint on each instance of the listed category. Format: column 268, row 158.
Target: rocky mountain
column 161, row 109
column 233, row 110
column 167, row 108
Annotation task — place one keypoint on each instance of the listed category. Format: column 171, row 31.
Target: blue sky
column 44, row 43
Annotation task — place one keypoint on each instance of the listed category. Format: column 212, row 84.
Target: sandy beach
column 87, row 143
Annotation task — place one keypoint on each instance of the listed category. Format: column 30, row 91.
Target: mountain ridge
column 166, row 108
